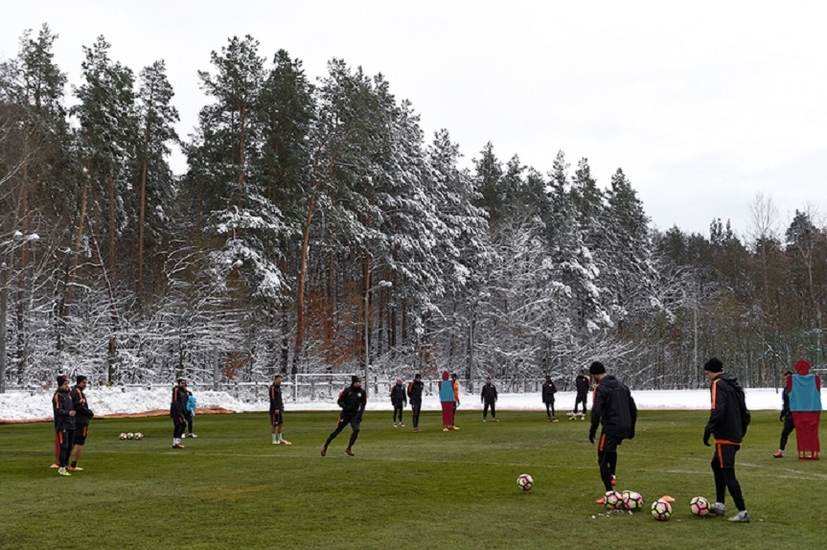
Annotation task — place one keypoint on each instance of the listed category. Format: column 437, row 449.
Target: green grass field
column 232, row 489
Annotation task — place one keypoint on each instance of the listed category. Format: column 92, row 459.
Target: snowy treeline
column 316, row 226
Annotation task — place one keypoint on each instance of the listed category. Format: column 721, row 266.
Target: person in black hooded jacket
column 83, row 414
column 178, row 412
column 614, row 408
column 352, row 400
column 415, row 396
column 399, row 400
column 65, row 423
column 728, row 421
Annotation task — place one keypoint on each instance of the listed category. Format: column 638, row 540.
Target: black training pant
column 354, row 422
column 417, row 408
column 581, row 398
column 723, row 468
column 397, row 410
column 485, row 410
column 66, row 439
column 550, row 409
column 785, row 433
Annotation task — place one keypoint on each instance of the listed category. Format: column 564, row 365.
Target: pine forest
column 316, row 229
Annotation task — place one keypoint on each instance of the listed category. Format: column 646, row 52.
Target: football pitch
column 231, row 488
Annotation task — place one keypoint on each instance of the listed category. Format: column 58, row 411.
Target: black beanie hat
column 714, row 365
column 354, row 379
column 61, row 378
column 597, row 368
column 418, row 376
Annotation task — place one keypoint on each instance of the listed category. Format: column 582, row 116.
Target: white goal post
column 317, row 387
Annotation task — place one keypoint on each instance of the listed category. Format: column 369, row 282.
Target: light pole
column 380, row 284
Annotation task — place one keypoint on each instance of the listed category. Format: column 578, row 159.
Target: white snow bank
column 21, row 405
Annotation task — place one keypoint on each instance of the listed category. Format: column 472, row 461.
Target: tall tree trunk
column 142, row 218
column 112, row 224
column 297, row 351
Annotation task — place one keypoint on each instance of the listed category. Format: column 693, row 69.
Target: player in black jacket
column 728, row 421
column 581, row 385
column 415, row 395
column 83, row 414
column 64, row 422
column 613, row 408
column 549, row 389
column 399, row 401
column 786, row 416
column 277, row 412
column 352, row 400
column 178, row 412
column 488, row 397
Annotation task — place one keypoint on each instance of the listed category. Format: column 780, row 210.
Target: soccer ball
column 130, row 435
column 525, row 482
column 138, row 436
column 122, row 436
column 632, row 500
column 661, row 510
column 699, row 506
column 613, row 500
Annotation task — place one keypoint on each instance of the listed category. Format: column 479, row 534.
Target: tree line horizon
column 317, row 228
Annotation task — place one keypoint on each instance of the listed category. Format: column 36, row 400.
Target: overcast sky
column 703, row 104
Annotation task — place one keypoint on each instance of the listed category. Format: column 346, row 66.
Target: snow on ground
column 36, row 405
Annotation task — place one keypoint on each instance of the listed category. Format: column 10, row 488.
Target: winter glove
column 706, row 439
column 591, row 437
column 781, row 417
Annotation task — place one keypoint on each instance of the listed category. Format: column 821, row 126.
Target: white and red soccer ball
column 699, row 506
column 661, row 510
column 525, row 482
column 613, row 500
column 632, row 500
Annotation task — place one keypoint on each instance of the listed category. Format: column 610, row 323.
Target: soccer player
column 728, row 421
column 455, row 387
column 786, row 417
column 549, row 389
column 178, row 412
column 83, row 414
column 64, row 423
column 399, row 400
column 352, row 400
column 415, row 396
column 447, row 400
column 581, row 385
column 488, row 397
column 192, row 404
column 613, row 408
column 277, row 412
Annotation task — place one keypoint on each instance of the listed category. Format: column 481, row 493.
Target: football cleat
column 601, row 501
column 324, row 450
column 178, row 446
column 285, row 442
column 718, row 509
column 740, row 517
column 779, row 454
column 348, row 452
column 75, row 469
column 63, row 472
